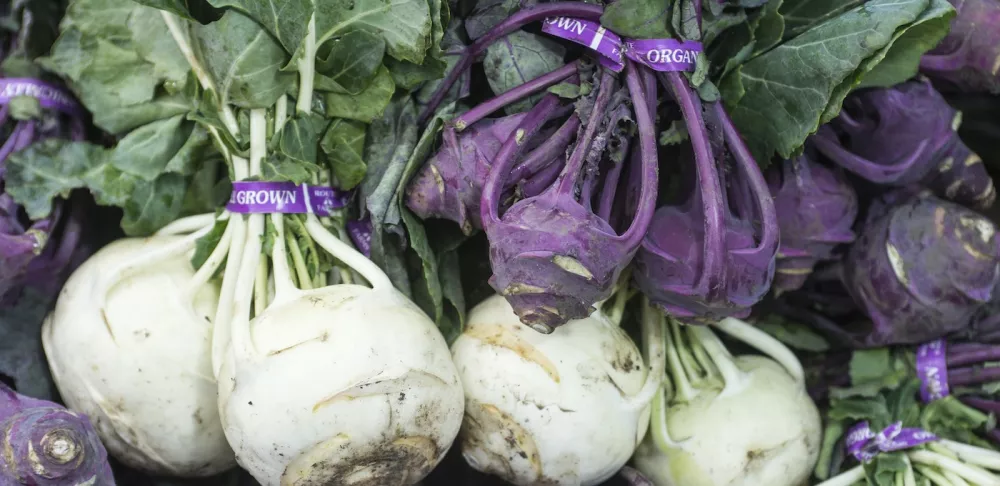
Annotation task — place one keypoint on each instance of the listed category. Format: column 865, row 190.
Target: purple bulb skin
column 906, row 135
column 922, row 270
column 545, row 288
column 968, row 59
column 449, row 186
column 816, row 208
column 44, row 444
column 668, row 267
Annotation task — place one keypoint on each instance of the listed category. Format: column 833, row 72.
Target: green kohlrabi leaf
column 638, row 19
column 366, row 106
column 517, row 59
column 903, row 59
column 391, row 139
column 405, row 25
column 279, row 168
column 300, row 138
column 782, row 96
column 286, row 20
column 53, row 168
column 351, row 60
column 794, row 334
column 343, row 145
column 197, row 10
column 105, row 52
column 244, row 60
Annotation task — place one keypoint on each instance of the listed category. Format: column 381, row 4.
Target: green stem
column 909, row 479
column 695, row 374
column 301, row 271
column 712, row 377
column 212, row 263
column 954, row 478
column 348, row 255
column 284, row 286
column 831, row 437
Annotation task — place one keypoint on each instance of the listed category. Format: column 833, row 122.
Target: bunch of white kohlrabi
column 725, row 421
column 307, row 382
column 564, row 408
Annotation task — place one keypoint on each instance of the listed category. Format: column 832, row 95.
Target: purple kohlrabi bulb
column 705, row 259
column 43, row 444
column 816, row 208
column 968, row 59
column 450, row 184
column 922, row 270
column 906, row 135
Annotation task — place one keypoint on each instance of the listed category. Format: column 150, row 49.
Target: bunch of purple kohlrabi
column 968, row 59
column 449, row 186
column 42, row 443
column 556, row 252
column 906, row 135
column 714, row 255
column 922, row 269
column 39, row 253
column 816, row 207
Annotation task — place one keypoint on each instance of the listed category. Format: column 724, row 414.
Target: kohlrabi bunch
column 906, row 135
column 966, row 60
column 555, row 252
column 713, row 256
column 878, row 432
column 35, row 251
column 923, row 269
column 816, row 207
column 723, row 420
column 304, row 357
column 562, row 408
column 42, row 443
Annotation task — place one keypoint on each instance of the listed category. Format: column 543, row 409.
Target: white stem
column 222, row 333
column 909, row 479
column 979, row 477
column 765, row 343
column 181, row 39
column 242, row 340
column 954, row 478
column 307, row 69
column 933, row 475
column 283, row 284
column 683, row 391
column 847, row 478
column 260, row 288
column 735, row 379
column 974, row 455
column 280, row 113
column 349, row 256
column 204, row 274
column 652, row 336
column 187, row 224
column 658, row 425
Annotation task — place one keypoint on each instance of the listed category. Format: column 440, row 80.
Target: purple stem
column 983, row 404
column 765, row 204
column 514, row 22
column 540, row 181
column 973, row 376
column 608, row 191
column 644, row 119
column 574, row 165
column 508, row 155
column 518, row 93
column 958, row 356
column 708, row 183
column 587, row 190
column 544, row 154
